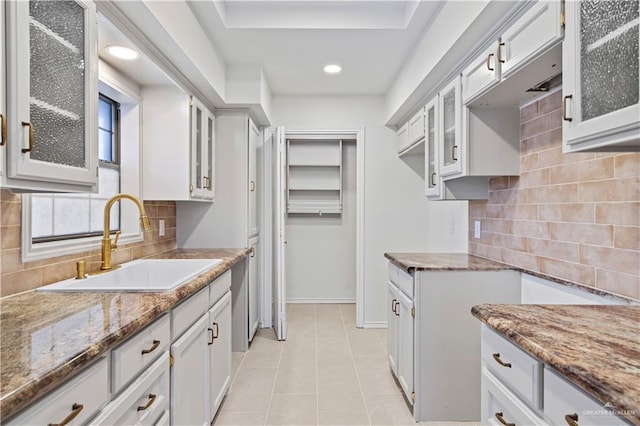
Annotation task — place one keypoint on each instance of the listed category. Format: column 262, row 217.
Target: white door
column 392, row 330
column 190, row 376
column 254, row 140
column 279, row 309
column 254, row 287
column 219, row 351
column 405, row 344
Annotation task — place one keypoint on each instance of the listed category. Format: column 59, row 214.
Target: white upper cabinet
column 481, row 75
column 600, row 76
column 178, row 146
column 450, row 129
column 416, row 127
column 402, row 137
column 254, row 160
column 433, row 181
column 537, row 30
column 52, row 96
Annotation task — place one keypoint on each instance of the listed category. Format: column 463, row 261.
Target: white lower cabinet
column 74, row 402
column 254, row 290
column 220, row 351
column 392, row 324
column 513, row 392
column 144, row 402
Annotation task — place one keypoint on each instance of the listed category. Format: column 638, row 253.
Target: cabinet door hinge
column 563, row 19
column 413, row 396
column 171, row 360
column 190, row 188
column 413, row 312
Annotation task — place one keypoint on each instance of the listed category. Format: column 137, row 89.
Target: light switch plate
column 477, row 229
column 161, row 227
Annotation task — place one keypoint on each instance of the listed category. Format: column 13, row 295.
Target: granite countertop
column 597, row 348
column 47, row 337
column 443, row 262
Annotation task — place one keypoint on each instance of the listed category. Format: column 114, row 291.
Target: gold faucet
column 108, row 246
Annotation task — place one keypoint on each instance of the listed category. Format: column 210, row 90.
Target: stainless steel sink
column 146, row 275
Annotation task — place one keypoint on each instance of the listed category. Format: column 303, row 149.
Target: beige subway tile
column 543, row 141
column 502, row 226
column 627, row 261
column 122, row 255
column 627, row 165
column 574, row 272
column 512, row 242
column 58, row 272
column 11, row 261
column 10, row 213
column 627, row 237
column 553, row 194
column 601, row 168
column 555, row 157
column 618, row 213
column 20, row 281
column 8, row 196
column 529, row 162
column 520, row 211
column 570, row 212
column 514, row 182
column 508, row 196
column 9, row 237
column 151, row 209
column 477, row 208
column 555, row 249
column 529, row 112
column 540, row 125
column 486, row 251
column 627, row 189
column 550, row 102
column 520, row 259
column 600, row 235
column 530, row 228
column 619, row 283
column 532, row 178
column 498, row 183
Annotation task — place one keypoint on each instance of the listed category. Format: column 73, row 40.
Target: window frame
column 126, row 92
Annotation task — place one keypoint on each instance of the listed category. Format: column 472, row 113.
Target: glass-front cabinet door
column 202, row 148
column 450, row 129
column 209, row 157
column 432, row 178
column 600, row 75
column 52, row 104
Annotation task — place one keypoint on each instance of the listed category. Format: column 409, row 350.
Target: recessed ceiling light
column 122, row 52
column 332, row 69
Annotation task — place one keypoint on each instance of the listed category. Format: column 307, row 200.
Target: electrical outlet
column 477, row 229
column 452, row 227
column 161, row 227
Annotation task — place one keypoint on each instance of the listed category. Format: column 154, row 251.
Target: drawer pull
column 31, row 137
column 500, row 53
column 153, row 347
column 393, row 306
column 564, row 108
column 501, row 419
column 454, row 152
column 210, row 342
column 76, row 408
column 571, row 419
column 488, row 62
column 152, row 398
column 496, row 356
column 215, row 332
column 433, row 175
column 4, row 130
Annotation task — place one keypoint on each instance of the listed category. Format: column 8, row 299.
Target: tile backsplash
column 16, row 276
column 572, row 216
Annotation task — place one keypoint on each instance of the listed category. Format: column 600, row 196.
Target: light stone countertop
column 32, row 362
column 597, row 348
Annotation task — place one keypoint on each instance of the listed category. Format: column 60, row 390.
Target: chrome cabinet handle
column 571, row 419
column 564, row 108
column 153, row 347
column 488, row 62
column 501, row 419
column 76, row 408
column 152, row 398
column 31, row 137
column 496, row 356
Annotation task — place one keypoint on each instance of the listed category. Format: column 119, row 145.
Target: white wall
column 321, row 250
column 397, row 215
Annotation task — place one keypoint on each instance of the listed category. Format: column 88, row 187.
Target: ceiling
column 291, row 42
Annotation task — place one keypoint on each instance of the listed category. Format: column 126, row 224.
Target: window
column 61, row 224
column 58, row 217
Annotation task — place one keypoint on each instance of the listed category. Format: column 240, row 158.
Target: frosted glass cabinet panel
column 601, row 62
column 202, row 151
column 450, row 131
column 432, row 177
column 52, row 107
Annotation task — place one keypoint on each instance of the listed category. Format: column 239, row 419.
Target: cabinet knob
column 75, row 410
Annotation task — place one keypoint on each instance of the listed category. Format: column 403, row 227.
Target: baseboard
column 375, row 324
column 321, row 300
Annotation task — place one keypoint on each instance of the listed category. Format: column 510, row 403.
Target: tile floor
column 327, row 372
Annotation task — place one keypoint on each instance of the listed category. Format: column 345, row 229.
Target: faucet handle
column 114, row 245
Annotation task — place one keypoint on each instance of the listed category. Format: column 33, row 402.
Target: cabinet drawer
column 499, row 406
column 87, row 392
column 394, row 272
column 219, row 287
column 164, row 419
column 405, row 282
column 521, row 373
column 416, row 127
column 561, row 398
column 142, row 403
column 188, row 312
column 130, row 358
